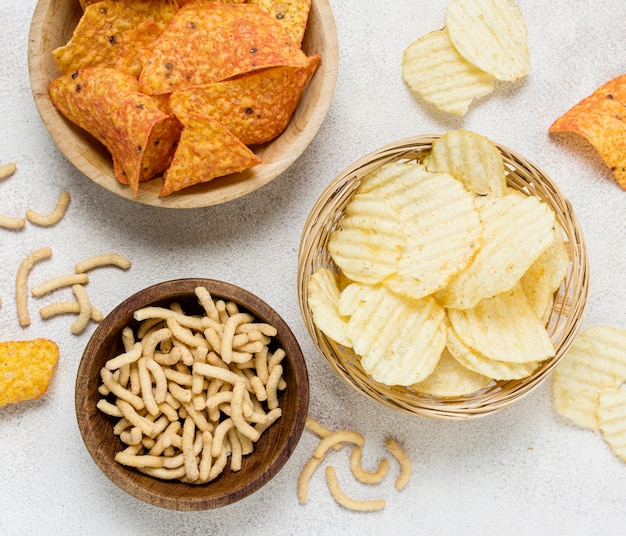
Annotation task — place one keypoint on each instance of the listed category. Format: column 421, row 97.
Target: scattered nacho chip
column 600, row 119
column 209, row 42
column 323, row 299
column 490, row 34
column 471, row 158
column 206, row 150
column 290, row 14
column 255, row 107
column 110, row 106
column 26, row 369
column 450, row 378
column 97, row 36
column 435, row 70
column 595, row 361
column 400, row 341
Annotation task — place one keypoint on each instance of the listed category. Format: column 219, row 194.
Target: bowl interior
column 567, row 312
column 270, row 452
column 52, row 25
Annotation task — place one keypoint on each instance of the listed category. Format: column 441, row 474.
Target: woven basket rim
column 567, row 313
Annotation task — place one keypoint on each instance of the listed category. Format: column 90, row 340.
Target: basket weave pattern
column 567, row 313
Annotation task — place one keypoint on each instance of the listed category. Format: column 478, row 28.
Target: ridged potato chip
column 435, row 248
column 503, row 328
column 490, row 34
column 399, row 340
column 368, row 244
column 545, row 276
column 612, row 419
column 433, row 68
column 450, row 378
column 492, row 368
column 595, row 361
column 471, row 158
column 516, row 231
column 323, row 299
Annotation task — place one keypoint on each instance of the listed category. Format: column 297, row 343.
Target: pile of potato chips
column 588, row 384
column 482, row 41
column 600, row 119
column 446, row 276
column 183, row 88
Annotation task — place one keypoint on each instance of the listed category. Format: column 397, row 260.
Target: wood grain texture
column 52, row 25
column 272, row 450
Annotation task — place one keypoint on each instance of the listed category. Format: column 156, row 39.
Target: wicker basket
column 567, row 312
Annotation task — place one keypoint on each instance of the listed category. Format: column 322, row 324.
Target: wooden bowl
column 271, row 451
column 567, row 313
column 52, row 25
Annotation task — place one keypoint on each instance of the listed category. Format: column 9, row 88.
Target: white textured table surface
column 524, row 470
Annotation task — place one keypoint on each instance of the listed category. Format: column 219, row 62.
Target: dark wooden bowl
column 272, row 450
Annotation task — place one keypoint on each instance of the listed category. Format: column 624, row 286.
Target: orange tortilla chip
column 26, row 369
column 110, row 106
column 206, row 150
column 601, row 119
column 255, row 107
column 133, row 42
column 209, row 41
column 97, row 36
column 290, row 14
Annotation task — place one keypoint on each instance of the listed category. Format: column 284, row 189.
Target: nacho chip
column 600, row 119
column 97, row 36
column 110, row 106
column 208, row 42
column 132, row 43
column 206, row 150
column 26, row 369
column 255, row 107
column 290, row 14
column 435, row 70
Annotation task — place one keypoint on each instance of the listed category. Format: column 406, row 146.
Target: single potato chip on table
column 612, row 419
column 490, row 34
column 600, row 119
column 433, row 68
column 27, row 369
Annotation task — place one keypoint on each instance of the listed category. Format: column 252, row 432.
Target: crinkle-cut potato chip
column 399, row 340
column 209, row 41
column 504, row 328
column 255, row 107
column 290, row 14
column 600, row 119
column 595, row 361
column 434, row 69
column 109, row 105
column 206, row 150
column 435, row 247
column 491, row 368
column 132, row 42
column 516, row 230
column 546, row 274
column 97, row 36
column 323, row 299
column 368, row 243
column 612, row 419
column 26, row 369
column 490, row 34
column 450, row 379
column 382, row 180
column 471, row 158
